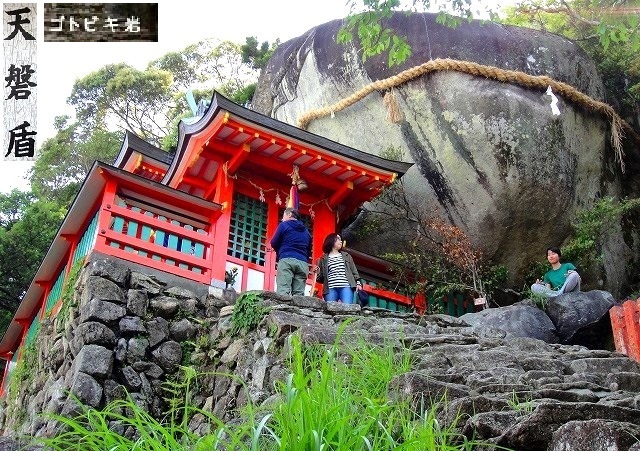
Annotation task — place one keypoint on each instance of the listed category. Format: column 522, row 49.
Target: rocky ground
column 130, row 330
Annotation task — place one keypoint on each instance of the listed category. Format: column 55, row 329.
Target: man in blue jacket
column 292, row 243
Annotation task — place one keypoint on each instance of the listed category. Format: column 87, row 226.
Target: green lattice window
column 248, row 229
column 87, row 240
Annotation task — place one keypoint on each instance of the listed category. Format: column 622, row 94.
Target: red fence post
column 625, row 324
column 619, row 328
column 631, row 314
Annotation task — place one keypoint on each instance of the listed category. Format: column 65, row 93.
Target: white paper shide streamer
column 554, row 102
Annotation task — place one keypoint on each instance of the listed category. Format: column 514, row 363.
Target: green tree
column 607, row 31
column 255, row 56
column 592, row 227
column 179, row 111
column 66, row 159
column 129, row 98
column 23, row 245
column 612, row 22
column 12, row 207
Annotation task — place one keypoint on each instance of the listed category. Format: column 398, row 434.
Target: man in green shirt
column 561, row 278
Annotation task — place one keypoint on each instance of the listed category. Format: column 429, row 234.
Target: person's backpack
column 363, row 298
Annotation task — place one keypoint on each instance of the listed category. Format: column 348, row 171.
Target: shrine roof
column 133, row 143
column 287, row 132
column 142, row 158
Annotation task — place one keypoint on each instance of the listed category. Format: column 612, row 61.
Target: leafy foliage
column 366, row 20
column 132, row 98
column 339, row 399
column 147, row 101
column 247, row 313
column 374, row 38
column 13, row 206
column 519, row 405
column 21, row 378
column 257, row 57
column 23, row 245
column 608, row 21
column 440, row 258
column 230, row 276
column 68, row 294
column 592, row 227
column 540, row 300
column 98, row 429
column 607, row 30
column 66, row 159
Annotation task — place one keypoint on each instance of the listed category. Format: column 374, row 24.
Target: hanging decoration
column 227, row 176
column 554, row 102
column 292, row 198
column 294, row 201
column 394, row 113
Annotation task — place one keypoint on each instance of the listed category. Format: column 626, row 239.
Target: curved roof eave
column 133, row 142
column 219, row 102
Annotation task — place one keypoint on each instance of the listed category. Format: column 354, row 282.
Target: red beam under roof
column 303, row 150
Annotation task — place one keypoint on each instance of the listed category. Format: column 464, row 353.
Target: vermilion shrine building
column 211, row 206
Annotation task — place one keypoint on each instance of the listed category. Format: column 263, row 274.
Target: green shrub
column 247, row 313
column 338, row 399
column 21, row 378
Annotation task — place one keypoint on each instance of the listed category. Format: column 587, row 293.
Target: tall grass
column 334, row 398
column 343, row 403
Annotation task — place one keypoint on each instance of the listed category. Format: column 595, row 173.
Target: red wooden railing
column 157, row 239
column 625, row 323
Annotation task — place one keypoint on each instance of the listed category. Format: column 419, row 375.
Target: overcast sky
column 180, row 23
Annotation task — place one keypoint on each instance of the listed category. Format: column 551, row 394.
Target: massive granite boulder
column 490, row 156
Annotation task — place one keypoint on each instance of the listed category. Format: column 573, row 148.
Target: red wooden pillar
column 223, row 196
column 616, row 314
column 7, row 358
column 625, row 323
column 104, row 216
column 420, row 302
column 273, row 220
column 324, row 223
column 25, row 328
column 43, row 302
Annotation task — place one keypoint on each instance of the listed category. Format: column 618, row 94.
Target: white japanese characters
column 94, row 23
